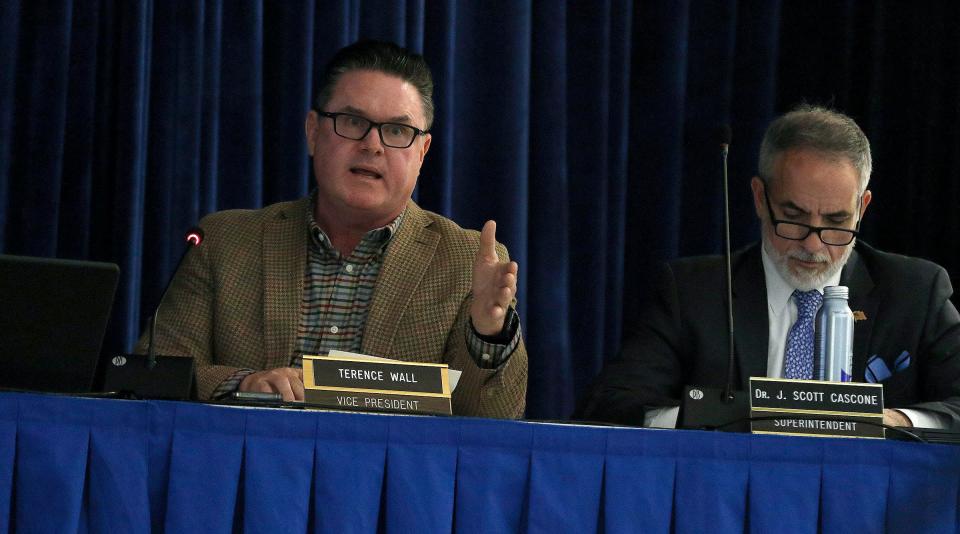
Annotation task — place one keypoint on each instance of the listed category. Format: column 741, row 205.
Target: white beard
column 805, row 281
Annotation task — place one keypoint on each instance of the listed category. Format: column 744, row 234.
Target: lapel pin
column 859, row 316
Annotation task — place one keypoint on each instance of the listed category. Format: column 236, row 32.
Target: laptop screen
column 53, row 316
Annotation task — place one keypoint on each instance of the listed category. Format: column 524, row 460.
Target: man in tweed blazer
column 240, row 303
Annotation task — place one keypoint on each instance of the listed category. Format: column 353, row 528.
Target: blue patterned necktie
column 798, row 358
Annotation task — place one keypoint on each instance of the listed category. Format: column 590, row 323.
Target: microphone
column 712, row 408
column 193, row 237
column 149, row 375
column 725, row 136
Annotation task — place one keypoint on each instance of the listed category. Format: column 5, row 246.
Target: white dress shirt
column 781, row 313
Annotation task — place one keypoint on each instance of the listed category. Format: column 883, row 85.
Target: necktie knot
column 808, row 302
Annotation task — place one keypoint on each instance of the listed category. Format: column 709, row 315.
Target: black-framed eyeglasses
column 392, row 134
column 799, row 231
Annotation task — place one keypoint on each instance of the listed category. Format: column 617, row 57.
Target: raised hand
column 494, row 284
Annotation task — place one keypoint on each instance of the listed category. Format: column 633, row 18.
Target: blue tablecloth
column 70, row 464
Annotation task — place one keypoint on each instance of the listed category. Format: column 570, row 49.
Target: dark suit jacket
column 235, row 302
column 681, row 336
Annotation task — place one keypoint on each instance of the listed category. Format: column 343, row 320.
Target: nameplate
column 847, row 427
column 379, row 402
column 816, row 408
column 379, row 375
column 376, row 384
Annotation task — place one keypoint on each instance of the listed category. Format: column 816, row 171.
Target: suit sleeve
column 500, row 392
column 648, row 372
column 940, row 361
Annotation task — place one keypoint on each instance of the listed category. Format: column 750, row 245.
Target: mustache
column 803, row 255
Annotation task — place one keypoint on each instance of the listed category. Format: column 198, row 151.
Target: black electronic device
column 53, row 316
column 159, row 377
column 712, row 408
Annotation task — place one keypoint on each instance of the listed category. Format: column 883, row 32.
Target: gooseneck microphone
column 712, row 407
column 725, row 136
column 152, row 376
column 193, row 237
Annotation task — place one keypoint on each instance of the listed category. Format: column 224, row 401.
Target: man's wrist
column 506, row 333
column 892, row 417
column 490, row 352
column 231, row 383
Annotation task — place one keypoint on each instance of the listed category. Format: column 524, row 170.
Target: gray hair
column 821, row 129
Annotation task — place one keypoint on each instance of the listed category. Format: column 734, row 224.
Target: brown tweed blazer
column 235, row 302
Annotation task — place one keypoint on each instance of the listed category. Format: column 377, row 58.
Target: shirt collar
column 778, row 290
column 375, row 241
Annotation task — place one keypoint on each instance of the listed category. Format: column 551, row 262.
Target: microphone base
column 704, row 408
column 171, row 377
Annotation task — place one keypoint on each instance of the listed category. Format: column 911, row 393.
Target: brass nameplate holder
column 816, row 408
column 376, row 385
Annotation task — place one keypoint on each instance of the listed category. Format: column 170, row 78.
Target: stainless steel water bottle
column 833, row 331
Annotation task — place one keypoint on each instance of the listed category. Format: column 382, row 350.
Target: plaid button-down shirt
column 337, row 291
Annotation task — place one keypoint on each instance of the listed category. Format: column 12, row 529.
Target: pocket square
column 903, row 361
column 877, row 370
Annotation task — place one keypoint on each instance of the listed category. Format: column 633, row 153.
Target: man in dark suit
column 810, row 197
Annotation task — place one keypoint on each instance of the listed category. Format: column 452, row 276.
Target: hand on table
column 893, row 417
column 287, row 381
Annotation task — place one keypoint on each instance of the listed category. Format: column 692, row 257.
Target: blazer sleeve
column 940, row 353
column 648, row 372
column 499, row 392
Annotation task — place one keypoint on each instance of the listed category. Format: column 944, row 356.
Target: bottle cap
column 841, row 292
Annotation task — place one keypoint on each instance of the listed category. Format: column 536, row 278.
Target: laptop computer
column 53, row 316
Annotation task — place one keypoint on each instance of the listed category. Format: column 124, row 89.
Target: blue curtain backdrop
column 586, row 128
